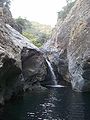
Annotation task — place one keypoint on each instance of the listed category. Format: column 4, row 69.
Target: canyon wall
column 69, row 46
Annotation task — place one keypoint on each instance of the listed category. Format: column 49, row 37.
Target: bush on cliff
column 65, row 10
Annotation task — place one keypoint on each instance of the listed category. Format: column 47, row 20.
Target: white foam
column 56, row 86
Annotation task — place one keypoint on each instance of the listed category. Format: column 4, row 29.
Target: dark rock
column 86, row 70
column 86, row 74
column 18, row 58
column 33, row 66
column 86, row 65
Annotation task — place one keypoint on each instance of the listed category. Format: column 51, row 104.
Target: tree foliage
column 66, row 9
column 32, row 38
column 36, row 32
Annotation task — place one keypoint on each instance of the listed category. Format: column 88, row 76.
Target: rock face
column 7, row 18
column 33, row 66
column 20, row 63
column 71, row 43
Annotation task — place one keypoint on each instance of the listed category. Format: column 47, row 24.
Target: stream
column 51, row 104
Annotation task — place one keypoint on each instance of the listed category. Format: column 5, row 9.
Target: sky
column 42, row 11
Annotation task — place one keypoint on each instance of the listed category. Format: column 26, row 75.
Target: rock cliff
column 69, row 47
column 7, row 18
column 21, row 63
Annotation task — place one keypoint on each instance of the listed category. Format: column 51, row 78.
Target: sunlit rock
column 12, row 61
column 71, row 43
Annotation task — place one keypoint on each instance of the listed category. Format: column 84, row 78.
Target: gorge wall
column 69, row 46
column 23, row 65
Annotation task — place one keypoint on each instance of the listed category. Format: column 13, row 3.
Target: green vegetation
column 36, row 32
column 66, row 9
column 32, row 38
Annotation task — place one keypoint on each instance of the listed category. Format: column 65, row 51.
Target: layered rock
column 71, row 43
column 21, row 63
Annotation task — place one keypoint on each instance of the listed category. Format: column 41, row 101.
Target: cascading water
column 53, row 76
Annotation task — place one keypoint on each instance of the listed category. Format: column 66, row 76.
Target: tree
column 36, row 32
column 20, row 21
column 66, row 9
column 23, row 23
column 32, row 38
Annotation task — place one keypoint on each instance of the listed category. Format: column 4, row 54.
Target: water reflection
column 53, row 104
column 76, row 107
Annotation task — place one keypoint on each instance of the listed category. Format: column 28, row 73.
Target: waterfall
column 53, row 76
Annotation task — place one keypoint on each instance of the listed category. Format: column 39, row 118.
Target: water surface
column 52, row 104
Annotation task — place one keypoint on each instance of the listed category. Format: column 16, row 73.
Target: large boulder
column 33, row 66
column 71, row 42
column 18, row 58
